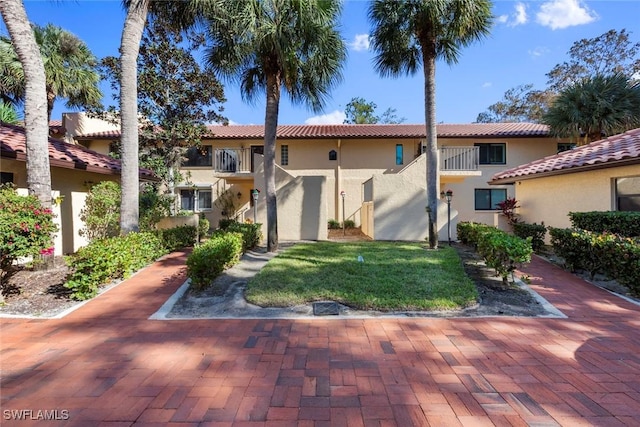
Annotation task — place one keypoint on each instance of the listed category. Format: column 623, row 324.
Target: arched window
column 333, row 155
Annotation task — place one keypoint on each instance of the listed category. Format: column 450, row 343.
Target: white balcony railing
column 459, row 158
column 232, row 160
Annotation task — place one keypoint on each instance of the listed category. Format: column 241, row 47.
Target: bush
column 333, row 224
column 504, row 252
column 105, row 260
column 153, row 207
column 537, row 232
column 251, row 234
column 210, row 259
column 26, row 229
column 224, row 223
column 101, row 212
column 622, row 223
column 203, row 227
column 349, row 223
column 176, row 238
column 469, row 232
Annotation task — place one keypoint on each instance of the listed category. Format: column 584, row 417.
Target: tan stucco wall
column 72, row 185
column 550, row 199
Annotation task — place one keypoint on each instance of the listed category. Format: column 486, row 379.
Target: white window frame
column 196, row 199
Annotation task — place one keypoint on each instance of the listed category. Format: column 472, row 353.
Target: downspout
column 338, row 185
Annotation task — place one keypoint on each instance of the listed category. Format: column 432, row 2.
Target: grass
column 393, row 276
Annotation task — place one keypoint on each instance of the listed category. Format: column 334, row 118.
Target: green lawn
column 393, row 276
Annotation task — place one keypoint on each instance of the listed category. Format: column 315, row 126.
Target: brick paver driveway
column 106, row 364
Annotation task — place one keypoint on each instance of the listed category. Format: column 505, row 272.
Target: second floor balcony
column 459, row 159
column 233, row 160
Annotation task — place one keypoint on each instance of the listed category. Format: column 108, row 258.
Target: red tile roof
column 366, row 131
column 62, row 154
column 616, row 150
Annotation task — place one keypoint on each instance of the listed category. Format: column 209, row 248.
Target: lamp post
column 344, row 231
column 255, row 193
column 448, row 196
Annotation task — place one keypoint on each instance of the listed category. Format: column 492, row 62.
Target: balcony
column 232, row 160
column 462, row 161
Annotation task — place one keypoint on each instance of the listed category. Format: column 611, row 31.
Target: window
column 198, row 156
column 195, row 200
column 493, row 154
column 628, row 194
column 565, row 146
column 6, row 177
column 488, row 199
column 333, row 155
column 284, row 155
column 399, row 154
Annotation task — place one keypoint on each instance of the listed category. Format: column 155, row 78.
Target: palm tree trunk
column 270, row 130
column 35, row 104
column 129, row 48
column 432, row 144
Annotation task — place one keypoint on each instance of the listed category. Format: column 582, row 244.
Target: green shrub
column 153, row 207
column 203, row 227
column 622, row 223
column 108, row 259
column 537, row 232
column 504, row 252
column 210, row 259
column 176, row 238
column 333, row 224
column 348, row 223
column 26, row 229
column 251, row 234
column 224, row 223
column 626, row 264
column 101, row 211
column 469, row 232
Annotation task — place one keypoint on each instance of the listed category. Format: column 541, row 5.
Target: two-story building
column 374, row 175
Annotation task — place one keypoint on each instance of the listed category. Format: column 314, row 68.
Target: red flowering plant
column 26, row 228
column 508, row 208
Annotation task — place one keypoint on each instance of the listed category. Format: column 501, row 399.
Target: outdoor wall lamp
column 448, row 195
column 255, row 193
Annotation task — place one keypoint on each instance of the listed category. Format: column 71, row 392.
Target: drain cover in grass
column 325, row 309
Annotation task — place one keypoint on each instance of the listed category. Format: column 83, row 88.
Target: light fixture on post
column 255, row 193
column 344, row 230
column 448, row 196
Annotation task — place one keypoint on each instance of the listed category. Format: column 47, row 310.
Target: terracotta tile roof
column 62, row 154
column 366, row 131
column 619, row 149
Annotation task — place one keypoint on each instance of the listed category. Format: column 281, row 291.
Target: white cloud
column 559, row 14
column 520, row 15
column 537, row 52
column 360, row 42
column 335, row 117
column 502, row 19
column 487, row 84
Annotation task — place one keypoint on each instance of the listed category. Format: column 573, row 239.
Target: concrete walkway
column 107, row 364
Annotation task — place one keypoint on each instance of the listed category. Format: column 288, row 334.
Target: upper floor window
column 565, row 146
column 198, row 156
column 333, row 155
column 488, row 199
column 284, row 155
column 492, row 153
column 399, row 154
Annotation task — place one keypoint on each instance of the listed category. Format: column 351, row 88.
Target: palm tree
column 412, row 33
column 129, row 47
column 35, row 112
column 8, row 113
column 69, row 68
column 270, row 45
column 595, row 107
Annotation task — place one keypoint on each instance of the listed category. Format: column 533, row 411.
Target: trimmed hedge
column 179, row 237
column 622, row 223
column 251, row 234
column 537, row 232
column 108, row 259
column 616, row 257
column 210, row 259
column 501, row 251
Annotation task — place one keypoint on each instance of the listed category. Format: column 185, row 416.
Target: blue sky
column 527, row 40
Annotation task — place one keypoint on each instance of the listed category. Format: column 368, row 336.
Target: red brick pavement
column 106, row 364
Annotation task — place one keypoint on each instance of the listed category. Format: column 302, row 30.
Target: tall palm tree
column 408, row 34
column 270, row 45
column 35, row 100
column 8, row 113
column 69, row 67
column 595, row 107
column 135, row 20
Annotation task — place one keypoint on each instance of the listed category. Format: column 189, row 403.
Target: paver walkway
column 106, row 364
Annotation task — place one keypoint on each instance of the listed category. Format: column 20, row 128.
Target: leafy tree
column 411, row 34
column 175, row 96
column 271, row 45
column 607, row 54
column 8, row 114
column 35, row 99
column 595, row 107
column 69, row 67
column 359, row 111
column 101, row 211
column 520, row 104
